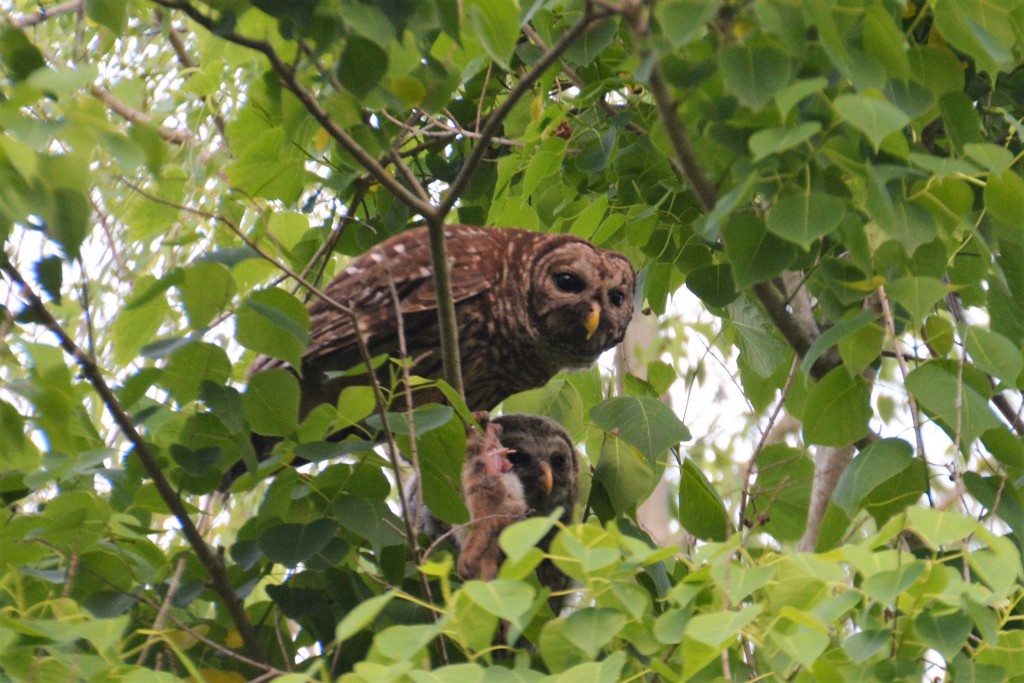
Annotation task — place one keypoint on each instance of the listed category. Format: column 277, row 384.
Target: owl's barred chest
column 502, row 353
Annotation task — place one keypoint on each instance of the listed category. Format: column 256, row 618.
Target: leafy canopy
column 838, row 183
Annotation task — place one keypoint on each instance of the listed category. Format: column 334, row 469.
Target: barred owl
column 527, row 305
column 519, row 466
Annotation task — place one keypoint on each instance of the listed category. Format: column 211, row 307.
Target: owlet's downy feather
column 520, row 466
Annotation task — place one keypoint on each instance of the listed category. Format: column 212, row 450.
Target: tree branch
column 43, row 14
column 218, row 574
column 173, row 135
column 309, row 101
column 436, row 217
column 589, row 21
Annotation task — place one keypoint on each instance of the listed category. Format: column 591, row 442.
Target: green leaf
column 918, row 295
column 682, row 21
column 111, row 13
column 876, row 117
column 190, row 366
column 862, row 348
column 774, row 140
column 883, row 479
column 403, row 641
column 1004, row 196
column 50, row 275
column 195, row 463
column 508, row 600
column 19, row 55
column 992, row 157
column 205, row 292
column 370, row 22
column 290, row 544
column 803, row 218
column 559, row 399
column 884, row 586
column 838, row 409
column 441, row 452
column 271, row 166
column 520, row 538
column 135, row 326
column 861, row 646
column 716, row 628
column 623, row 479
column 701, row 510
column 591, row 628
column 782, row 492
column 832, row 336
column 271, row 403
column 939, row 528
column 424, row 419
column 362, row 65
column 273, row 322
column 495, row 23
column 792, row 94
column 644, row 422
column 981, row 28
column 954, row 403
column 946, row 633
column 369, row 519
column 754, row 74
column 16, row 450
column 995, row 354
column 713, row 285
column 68, row 220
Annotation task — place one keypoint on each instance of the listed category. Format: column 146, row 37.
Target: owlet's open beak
column 547, row 480
column 593, row 319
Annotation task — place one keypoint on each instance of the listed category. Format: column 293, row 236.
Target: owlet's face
column 543, row 459
column 581, row 299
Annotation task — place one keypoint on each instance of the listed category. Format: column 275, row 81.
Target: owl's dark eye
column 557, row 462
column 616, row 298
column 569, row 282
column 519, row 458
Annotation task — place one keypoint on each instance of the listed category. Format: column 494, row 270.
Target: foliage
column 838, row 181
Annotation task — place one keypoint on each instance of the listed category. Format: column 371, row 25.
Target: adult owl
column 519, row 466
column 527, row 305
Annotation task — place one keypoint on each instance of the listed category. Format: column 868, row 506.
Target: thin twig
column 749, row 473
column 890, row 324
column 308, row 99
column 589, row 21
column 411, row 524
column 165, row 606
column 45, row 13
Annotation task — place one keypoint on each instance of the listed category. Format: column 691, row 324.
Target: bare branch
column 44, row 13
column 172, row 135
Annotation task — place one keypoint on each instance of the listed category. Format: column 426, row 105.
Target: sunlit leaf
column 754, row 74
column 874, row 116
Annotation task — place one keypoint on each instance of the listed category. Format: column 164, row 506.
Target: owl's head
column 581, row 298
column 543, row 459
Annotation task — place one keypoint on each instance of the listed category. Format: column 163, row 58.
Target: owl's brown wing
column 475, row 258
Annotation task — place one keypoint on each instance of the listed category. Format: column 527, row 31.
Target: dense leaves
column 839, row 186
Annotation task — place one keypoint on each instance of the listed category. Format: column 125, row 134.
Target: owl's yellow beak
column 593, row 319
column 547, row 480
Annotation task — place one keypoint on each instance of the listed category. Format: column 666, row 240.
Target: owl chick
column 495, row 499
column 520, row 466
column 527, row 305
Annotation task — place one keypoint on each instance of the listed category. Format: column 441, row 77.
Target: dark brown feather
column 517, row 328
